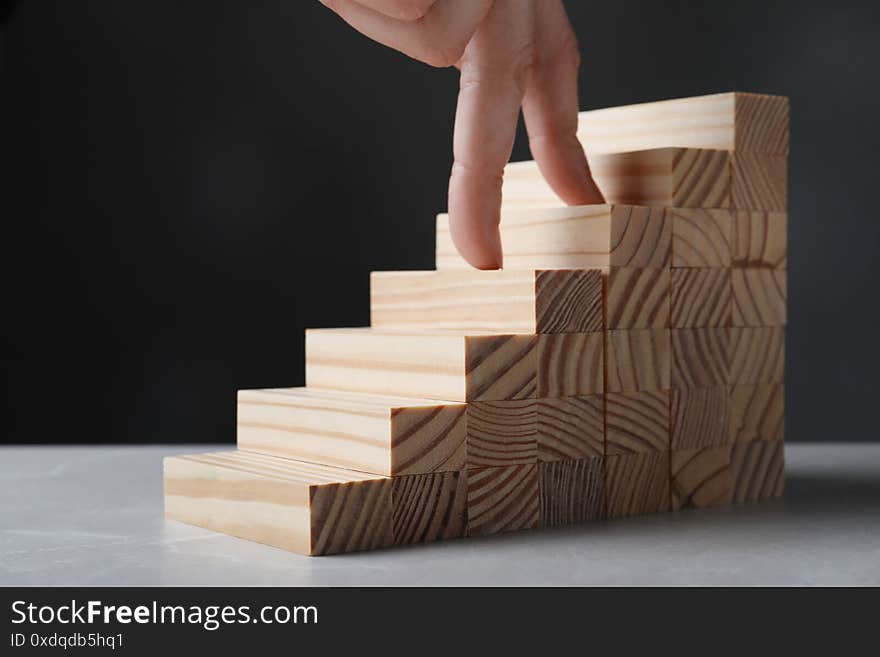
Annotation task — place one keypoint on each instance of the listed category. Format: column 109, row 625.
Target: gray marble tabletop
column 93, row 516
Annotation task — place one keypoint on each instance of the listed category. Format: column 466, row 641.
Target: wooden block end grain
column 571, row 428
column 571, row 491
column 700, row 417
column 502, row 499
column 502, row 433
column 701, row 298
column 428, row 507
column 701, row 237
column 757, row 355
column 637, row 422
column 759, row 297
column 759, row 182
column 638, row 359
column 701, row 477
column 700, row 357
column 296, row 506
column 757, row 412
column 636, row 484
column 641, row 237
column 637, row 298
column 758, row 470
column 759, row 239
column 383, row 435
column 570, row 364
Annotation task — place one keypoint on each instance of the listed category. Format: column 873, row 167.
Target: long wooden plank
column 306, row 508
column 577, row 237
column 449, row 365
column 383, row 435
column 732, row 121
column 509, row 300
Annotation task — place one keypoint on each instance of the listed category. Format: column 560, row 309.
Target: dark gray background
column 188, row 185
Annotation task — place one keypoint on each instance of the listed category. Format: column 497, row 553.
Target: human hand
column 512, row 54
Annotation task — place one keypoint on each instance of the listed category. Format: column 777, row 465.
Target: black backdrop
column 187, row 185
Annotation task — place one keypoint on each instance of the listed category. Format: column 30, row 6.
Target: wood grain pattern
column 701, row 477
column 507, row 300
column 446, row 365
column 701, row 237
column 757, row 355
column 758, row 470
column 700, row 298
column 757, row 412
column 637, row 298
column 700, row 417
column 303, row 507
column 428, row 507
column 636, row 483
column 571, row 491
column 383, row 435
column 502, row 433
column 760, row 239
column 732, row 121
column 759, row 297
column 503, row 499
column 637, row 422
column 571, row 428
column 700, row 357
column 667, row 177
column 759, row 182
column 570, row 364
column 638, row 359
column 579, row 237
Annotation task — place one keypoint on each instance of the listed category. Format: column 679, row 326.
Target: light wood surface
column 637, row 298
column 636, row 483
column 638, row 359
column 445, row 365
column 383, row 435
column 757, row 355
column 502, row 433
column 732, row 121
column 759, row 182
column 759, row 297
column 307, row 508
column 758, row 470
column 637, row 422
column 759, row 239
column 507, row 300
column 757, row 412
column 577, row 237
column 665, row 177
column 570, row 364
column 571, row 491
column 700, row 357
column 503, row 499
column 428, row 507
column 700, row 417
column 571, row 428
column 701, row 298
column 701, row 237
column 701, row 477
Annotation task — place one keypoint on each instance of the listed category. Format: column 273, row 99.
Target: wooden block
column 506, row 300
column 578, row 237
column 700, row 298
column 307, row 508
column 571, row 428
column 383, row 435
column 757, row 355
column 570, row 364
column 428, row 507
column 759, row 297
column 637, row 422
column 701, row 477
column 759, row 182
column 571, row 491
column 759, row 239
column 667, row 177
column 700, row 357
column 502, row 432
column 700, row 417
column 638, row 359
column 758, row 470
column 731, row 121
column 701, row 237
column 502, row 499
column 757, row 412
column 637, row 298
column 636, row 483
column 436, row 365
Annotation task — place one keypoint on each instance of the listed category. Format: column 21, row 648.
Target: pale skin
column 513, row 55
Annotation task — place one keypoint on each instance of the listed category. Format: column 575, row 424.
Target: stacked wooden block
column 628, row 360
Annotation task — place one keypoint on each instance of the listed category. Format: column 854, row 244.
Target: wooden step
column 383, row 435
